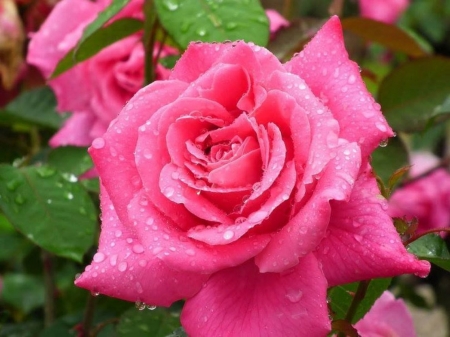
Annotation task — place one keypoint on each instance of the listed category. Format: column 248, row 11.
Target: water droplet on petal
column 122, row 266
column 140, row 305
column 99, row 257
column 228, row 235
column 169, row 191
column 98, row 143
column 151, row 307
column 138, row 249
column 294, row 295
column 384, row 142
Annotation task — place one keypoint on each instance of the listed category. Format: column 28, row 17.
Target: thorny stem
column 359, row 296
column 287, row 9
column 443, row 164
column 99, row 327
column 50, row 289
column 415, row 237
column 88, row 316
column 150, row 26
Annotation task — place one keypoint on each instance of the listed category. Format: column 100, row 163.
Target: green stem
column 50, row 288
column 150, row 25
column 88, row 315
column 359, row 296
column 287, row 9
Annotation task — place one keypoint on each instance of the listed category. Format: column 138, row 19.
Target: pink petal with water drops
column 75, row 131
column 324, row 129
column 362, row 242
column 200, row 58
column 308, row 227
column 168, row 242
column 283, row 187
column 332, row 76
column 113, row 154
column 124, row 267
column 276, row 20
column 242, row 302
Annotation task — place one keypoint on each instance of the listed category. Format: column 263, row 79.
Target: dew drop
column 228, row 235
column 122, row 266
column 351, row 79
column 118, row 233
column 381, row 127
column 190, row 252
column 151, row 307
column 99, row 257
column 169, row 191
column 98, row 143
column 384, row 143
column 140, row 305
column 294, row 295
column 138, row 249
column 113, row 260
column 95, row 293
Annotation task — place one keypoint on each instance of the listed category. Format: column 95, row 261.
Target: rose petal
column 124, row 267
column 326, row 68
column 362, row 242
column 113, row 154
column 242, row 302
column 387, row 317
column 165, row 240
column 231, row 233
column 76, row 131
column 307, row 228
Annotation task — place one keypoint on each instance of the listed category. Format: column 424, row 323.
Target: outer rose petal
column 242, row 302
column 362, row 242
column 75, row 131
column 387, row 11
column 124, row 268
column 307, row 228
column 326, row 68
column 104, row 150
column 387, row 317
column 276, row 21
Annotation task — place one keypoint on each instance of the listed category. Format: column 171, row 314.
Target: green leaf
column 25, row 329
column 34, row 107
column 341, row 298
column 214, row 21
column 97, row 41
column 432, row 248
column 386, row 160
column 388, row 35
column 415, row 92
column 92, row 185
column 24, row 292
column 145, row 323
column 178, row 333
column 70, row 159
column 52, row 210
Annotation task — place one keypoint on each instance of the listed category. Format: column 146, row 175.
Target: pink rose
column 97, row 89
column 387, row 11
column 388, row 317
column 427, row 199
column 276, row 21
column 243, row 186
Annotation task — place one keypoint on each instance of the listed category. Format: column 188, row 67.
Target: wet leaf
column 214, row 21
column 415, row 92
column 432, row 248
column 51, row 209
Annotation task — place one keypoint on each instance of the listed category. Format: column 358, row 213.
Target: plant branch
column 88, row 316
column 431, row 231
column 150, row 27
column 50, row 288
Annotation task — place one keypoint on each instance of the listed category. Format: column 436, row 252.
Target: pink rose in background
column 387, row 318
column 387, row 11
column 243, row 186
column 276, row 21
column 97, row 89
column 427, row 199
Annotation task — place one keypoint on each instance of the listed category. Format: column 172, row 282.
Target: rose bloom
column 97, row 89
column 387, row 11
column 276, row 21
column 388, row 317
column 427, row 198
column 243, row 186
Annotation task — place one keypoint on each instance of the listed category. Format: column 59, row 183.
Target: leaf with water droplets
column 213, row 21
column 415, row 95
column 432, row 248
column 49, row 208
column 387, row 160
column 145, row 320
column 71, row 159
column 341, row 298
column 33, row 107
